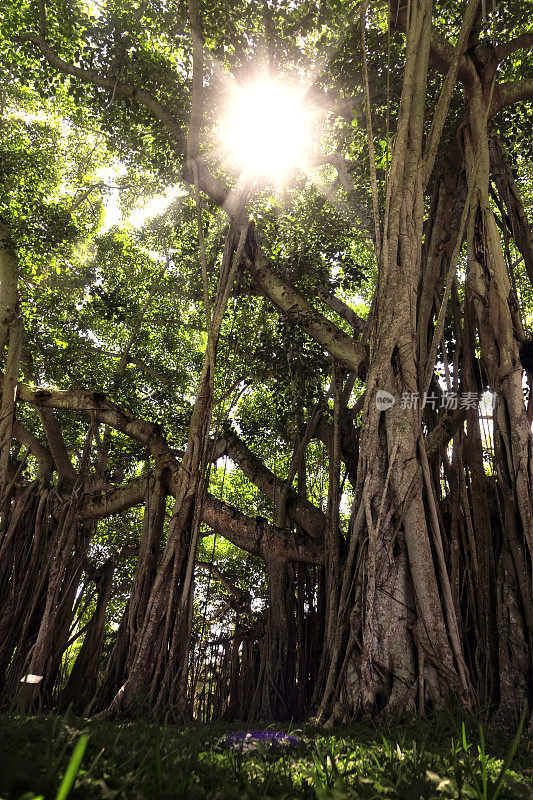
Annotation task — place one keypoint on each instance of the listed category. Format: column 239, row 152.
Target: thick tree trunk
column 25, row 554
column 397, row 631
column 277, row 687
column 11, row 334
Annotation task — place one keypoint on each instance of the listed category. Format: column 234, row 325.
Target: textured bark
column 493, row 307
column 516, row 217
column 259, row 537
column 66, row 565
column 9, row 299
column 57, row 446
column 25, row 556
column 165, row 619
column 275, row 695
column 11, row 335
column 344, row 349
column 99, row 408
column 372, row 668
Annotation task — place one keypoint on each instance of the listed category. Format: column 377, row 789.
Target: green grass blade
column 73, row 767
column 463, row 735
column 483, row 756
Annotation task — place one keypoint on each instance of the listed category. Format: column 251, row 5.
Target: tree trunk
column 397, row 634
column 135, row 612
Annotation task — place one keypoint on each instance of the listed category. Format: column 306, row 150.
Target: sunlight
column 267, row 130
column 112, row 211
column 154, row 206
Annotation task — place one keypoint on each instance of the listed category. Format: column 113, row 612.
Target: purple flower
column 246, row 741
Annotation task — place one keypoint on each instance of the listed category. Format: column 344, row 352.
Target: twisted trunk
column 396, row 629
column 134, row 615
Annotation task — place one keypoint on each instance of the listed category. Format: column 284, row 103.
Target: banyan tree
column 265, row 442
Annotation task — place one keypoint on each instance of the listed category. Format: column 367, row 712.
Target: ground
column 434, row 758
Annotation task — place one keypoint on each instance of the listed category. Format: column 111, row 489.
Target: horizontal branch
column 254, row 535
column 522, row 42
column 259, row 537
column 113, row 501
column 505, row 94
column 96, row 406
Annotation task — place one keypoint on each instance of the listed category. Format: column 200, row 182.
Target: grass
column 55, row 758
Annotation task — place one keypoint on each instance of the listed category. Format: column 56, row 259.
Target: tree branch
column 255, row 536
column 348, row 353
column 213, row 187
column 97, row 407
column 446, row 93
column 36, row 448
column 106, row 504
column 343, row 310
column 505, row 94
column 259, row 537
column 522, row 42
column 57, row 444
column 116, row 87
column 301, row 511
column 441, row 52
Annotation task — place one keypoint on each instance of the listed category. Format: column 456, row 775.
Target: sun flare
column 266, row 130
